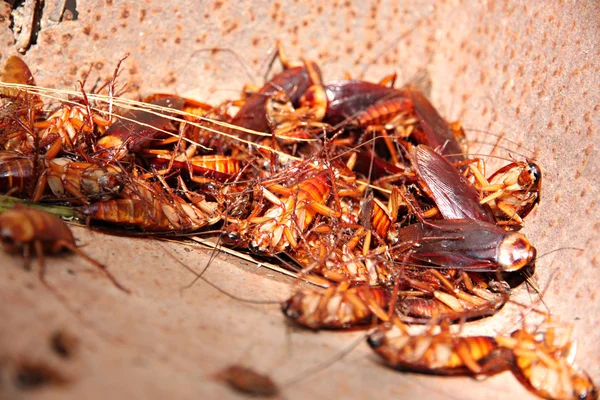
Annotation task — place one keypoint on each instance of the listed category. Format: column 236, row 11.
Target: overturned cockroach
column 442, row 353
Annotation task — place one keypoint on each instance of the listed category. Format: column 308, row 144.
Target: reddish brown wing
column 438, row 132
column 453, row 195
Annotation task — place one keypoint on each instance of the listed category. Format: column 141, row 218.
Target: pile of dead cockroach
column 362, row 187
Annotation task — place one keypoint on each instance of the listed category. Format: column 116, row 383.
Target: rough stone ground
column 529, row 72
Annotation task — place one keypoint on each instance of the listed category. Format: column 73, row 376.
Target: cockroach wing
column 438, row 132
column 453, row 195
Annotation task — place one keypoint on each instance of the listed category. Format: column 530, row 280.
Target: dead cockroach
column 512, row 191
column 294, row 80
column 141, row 127
column 337, row 307
column 543, row 363
column 84, row 181
column 221, row 168
column 444, row 353
column 152, row 208
column 465, row 244
column 281, row 225
column 349, row 101
column 248, row 381
column 456, row 306
column 23, row 229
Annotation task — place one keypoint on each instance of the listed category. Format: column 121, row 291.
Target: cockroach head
column 531, row 175
column 7, row 232
column 111, row 183
column 583, row 386
column 515, row 252
column 376, row 339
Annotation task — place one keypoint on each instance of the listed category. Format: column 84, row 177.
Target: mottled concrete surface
column 527, row 72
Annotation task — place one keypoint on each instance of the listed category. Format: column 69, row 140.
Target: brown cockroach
column 150, row 207
column 543, row 363
column 84, row 182
column 444, row 353
column 71, row 123
column 337, row 307
column 23, row 229
column 349, row 100
column 281, row 225
column 220, row 168
column 141, row 127
column 248, row 381
column 453, row 195
column 452, row 307
column 159, row 212
column 512, row 191
column 465, row 244
column 293, row 81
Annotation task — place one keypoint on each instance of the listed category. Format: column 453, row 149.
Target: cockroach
column 85, row 182
column 71, row 123
column 23, row 229
column 444, row 353
column 141, row 127
column 248, row 381
column 159, row 215
column 293, row 81
column 349, row 100
column 465, row 244
column 452, row 307
column 221, row 168
column 336, row 307
column 513, row 191
column 151, row 208
column 453, row 195
column 280, row 225
column 544, row 365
